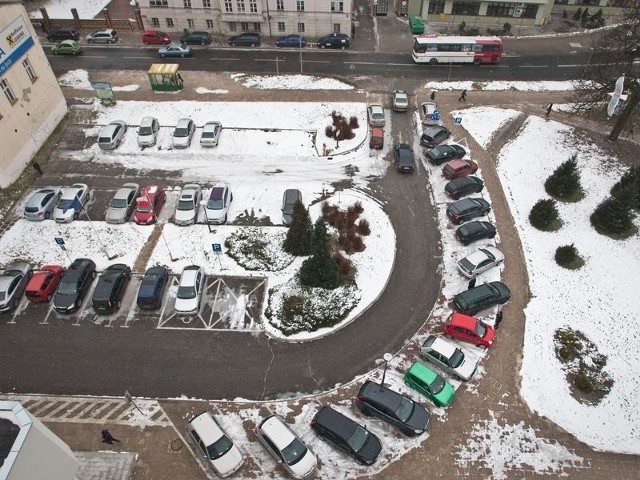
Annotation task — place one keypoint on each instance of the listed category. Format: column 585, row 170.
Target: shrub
column 300, row 234
column 353, row 122
column 583, row 382
column 567, row 256
column 544, row 216
column 319, row 270
column 627, row 190
column 564, row 182
column 340, row 129
column 363, row 227
column 328, row 131
column 346, row 270
column 577, row 14
column 461, row 26
column 613, row 218
column 565, row 14
column 506, row 28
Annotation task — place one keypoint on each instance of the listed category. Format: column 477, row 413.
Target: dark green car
column 429, row 384
column 479, row 298
column 67, row 47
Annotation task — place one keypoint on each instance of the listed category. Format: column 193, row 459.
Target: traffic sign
column 458, row 120
column 217, row 248
column 59, row 240
column 435, row 115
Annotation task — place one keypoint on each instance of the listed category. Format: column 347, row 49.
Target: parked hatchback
column 67, row 47
column 63, row 34
column 473, row 231
column 289, row 199
column 74, row 285
column 480, row 261
column 43, row 283
column 434, row 136
column 444, row 153
column 286, row 447
column 375, row 114
column 392, row 407
column 211, row 134
column 41, row 203
column 111, row 135
column 430, row 384
column 111, row 286
column 293, row 40
column 188, row 204
column 346, row 435
column 463, row 186
column 190, row 290
column 334, row 40
column 152, row 286
column 155, row 37
column 480, row 298
column 149, row 204
column 428, row 114
column 464, row 210
column 403, row 158
column 183, row 133
column 400, row 101
column 459, row 168
column 196, row 38
column 72, row 201
column 122, row 204
column 246, row 39
column 469, row 329
column 103, row 36
column 13, row 281
column 376, row 139
column 217, row 208
column 448, row 357
column 148, row 132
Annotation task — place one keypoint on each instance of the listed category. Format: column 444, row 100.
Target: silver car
column 13, row 281
column 190, row 288
column 107, row 35
column 480, row 261
column 183, row 133
column 41, row 203
column 217, row 207
column 122, row 204
column 400, row 101
column 447, row 357
column 427, row 110
column 210, row 134
column 375, row 114
column 71, row 203
column 188, row 204
column 111, row 136
column 148, row 132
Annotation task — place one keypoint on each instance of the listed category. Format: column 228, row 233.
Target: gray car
column 289, row 199
column 122, row 204
column 107, row 35
column 448, row 357
column 188, row 204
column 111, row 136
column 13, row 281
column 41, row 203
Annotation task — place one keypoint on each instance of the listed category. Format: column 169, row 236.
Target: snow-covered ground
column 62, row 8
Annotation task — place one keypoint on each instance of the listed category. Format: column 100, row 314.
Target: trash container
column 416, row 24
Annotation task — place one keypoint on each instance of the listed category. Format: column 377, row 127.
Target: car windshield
column 185, row 205
column 185, row 293
column 118, row 203
column 145, row 131
column 67, row 288
column 147, row 288
column 219, row 448
column 457, row 358
column 405, row 409
column 209, row 133
column 358, row 439
column 181, row 132
column 377, row 115
column 64, row 203
column 2, row 296
column 467, row 265
column 143, row 207
column 294, row 452
column 481, row 329
column 437, row 385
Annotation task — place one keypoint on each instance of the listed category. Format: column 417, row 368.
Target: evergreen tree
column 564, row 182
column 321, row 269
column 627, row 190
column 578, row 14
column 544, row 215
column 613, row 217
column 300, row 235
column 584, row 18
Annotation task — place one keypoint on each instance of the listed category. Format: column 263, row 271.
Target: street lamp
column 387, row 357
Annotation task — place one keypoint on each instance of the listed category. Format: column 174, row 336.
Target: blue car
column 175, row 50
column 293, row 40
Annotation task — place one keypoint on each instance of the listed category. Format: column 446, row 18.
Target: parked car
column 464, row 210
column 469, row 329
column 155, row 37
column 13, row 281
column 43, row 283
column 334, row 40
column 67, row 47
column 122, row 204
column 149, row 204
column 183, row 133
column 112, row 283
column 376, row 139
column 430, row 384
column 427, row 110
column 463, row 186
column 148, row 132
column 473, row 231
column 188, row 204
column 376, row 400
column 74, row 285
column 403, row 158
column 41, row 203
column 214, row 445
column 246, row 39
column 72, row 201
column 400, row 101
column 111, row 135
column 211, row 134
column 347, row 435
column 479, row 298
column 444, row 153
column 480, row 261
column 448, row 358
column 196, row 38
column 175, row 50
column 459, row 168
column 60, row 34
column 293, row 40
column 434, row 136
column 217, row 208
column 152, row 286
column 286, row 447
column 375, row 115
column 103, row 36
column 289, row 199
column 190, row 290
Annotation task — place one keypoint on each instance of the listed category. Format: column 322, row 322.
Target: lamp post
column 387, row 357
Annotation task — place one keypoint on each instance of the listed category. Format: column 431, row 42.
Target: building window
column 158, row 3
column 244, row 26
column 233, row 27
column 240, row 5
column 228, row 6
column 337, row 6
column 169, row 22
column 495, row 9
column 253, row 6
column 209, row 23
column 190, row 23
column 206, row 3
column 27, row 66
column 281, row 27
column 186, row 3
column 8, row 92
column 280, row 5
column 300, row 5
column 436, row 7
column 155, row 21
column 336, row 28
column 465, row 8
column 301, row 27
column 257, row 27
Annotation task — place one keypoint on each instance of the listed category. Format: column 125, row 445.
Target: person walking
column 108, row 438
column 549, row 109
column 498, row 319
column 463, row 96
column 472, row 283
column 433, row 95
column 36, row 166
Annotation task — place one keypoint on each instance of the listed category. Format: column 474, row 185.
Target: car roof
column 190, row 189
column 462, row 320
column 188, row 276
column 151, row 190
column 147, row 121
column 424, row 372
column 335, row 421
column 277, row 431
column 183, row 122
column 206, row 428
column 70, row 192
column 292, row 195
column 442, row 346
column 211, row 126
column 380, row 393
column 125, row 190
column 376, row 108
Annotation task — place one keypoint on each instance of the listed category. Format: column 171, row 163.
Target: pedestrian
column 472, row 283
column 433, row 95
column 43, row 26
column 36, row 166
column 108, row 438
column 463, row 96
column 498, row 319
column 549, row 109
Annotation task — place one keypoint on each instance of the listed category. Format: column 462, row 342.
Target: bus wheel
column 433, row 61
column 477, row 61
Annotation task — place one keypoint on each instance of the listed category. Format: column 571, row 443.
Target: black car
column 463, row 186
column 347, row 435
column 479, row 298
column 246, row 39
column 390, row 406
column 403, row 158
column 196, row 38
column 63, row 34
column 74, row 285
column 444, row 153
column 434, row 136
column 335, row 40
column 473, row 231
column 152, row 288
column 110, row 289
column 466, row 209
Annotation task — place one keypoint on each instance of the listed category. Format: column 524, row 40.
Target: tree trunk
column 634, row 99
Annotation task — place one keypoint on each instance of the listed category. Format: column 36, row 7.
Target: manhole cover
column 176, row 445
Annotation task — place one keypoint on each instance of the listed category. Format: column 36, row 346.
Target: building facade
column 272, row 18
column 31, row 102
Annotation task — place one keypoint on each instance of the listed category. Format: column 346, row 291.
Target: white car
column 480, row 261
column 71, row 203
column 214, row 445
column 183, row 133
column 400, row 101
column 190, row 290
column 286, row 447
column 217, row 208
column 426, row 113
column 148, row 132
column 210, row 134
column 449, row 358
column 375, row 114
column 188, row 204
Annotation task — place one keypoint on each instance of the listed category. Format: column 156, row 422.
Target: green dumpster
column 416, row 24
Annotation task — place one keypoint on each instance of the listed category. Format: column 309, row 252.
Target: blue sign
column 59, row 240
column 458, row 120
column 435, row 115
column 217, row 248
column 15, row 41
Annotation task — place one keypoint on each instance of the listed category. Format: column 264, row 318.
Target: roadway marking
column 225, row 59
column 384, row 63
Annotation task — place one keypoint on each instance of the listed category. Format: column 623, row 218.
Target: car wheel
column 75, row 216
column 203, row 43
column 93, row 274
column 49, row 298
column 322, row 46
column 90, row 41
column 55, row 52
column 182, row 55
column 448, row 335
column 145, row 42
column 483, row 347
column 75, row 53
column 455, row 197
column 16, row 301
column 162, row 55
column 118, row 304
column 492, row 235
column 343, row 47
column 47, row 215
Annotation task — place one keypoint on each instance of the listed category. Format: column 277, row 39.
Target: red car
column 155, row 37
column 149, row 204
column 43, row 283
column 459, row 168
column 469, row 329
